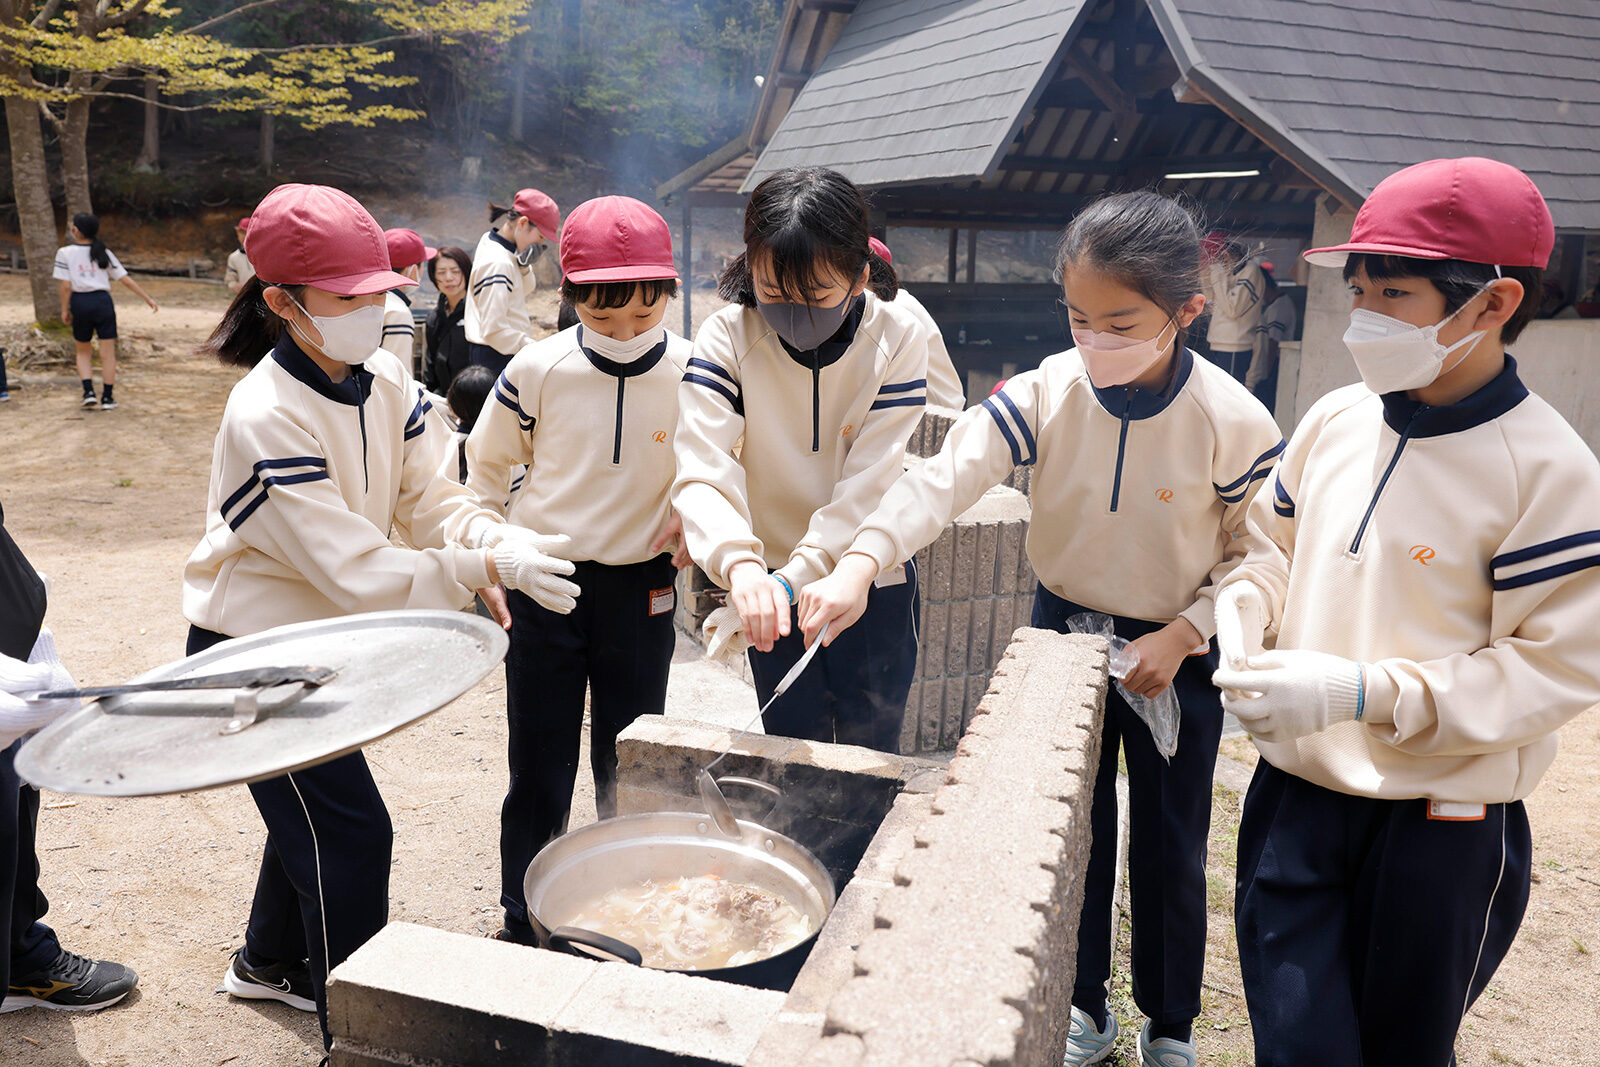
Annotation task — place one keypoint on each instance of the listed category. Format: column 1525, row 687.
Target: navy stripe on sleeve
column 399, row 330
column 491, row 280
column 268, row 481
column 502, row 387
column 1235, row 490
column 1544, row 574
column 1281, row 501
column 272, row 464
column 712, row 368
column 717, row 387
column 1022, row 426
column 1011, row 439
column 904, row 387
column 1546, row 548
column 900, row 402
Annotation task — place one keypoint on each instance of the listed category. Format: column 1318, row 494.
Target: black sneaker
column 289, row 983
column 71, row 983
column 88, row 401
column 107, row 401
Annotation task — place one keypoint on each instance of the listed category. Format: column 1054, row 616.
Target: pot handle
column 569, row 938
column 757, row 785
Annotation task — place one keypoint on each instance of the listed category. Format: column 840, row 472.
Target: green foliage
column 119, row 187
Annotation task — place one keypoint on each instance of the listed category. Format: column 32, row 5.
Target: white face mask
column 1394, row 356
column 348, row 338
column 1112, row 359
column 623, row 351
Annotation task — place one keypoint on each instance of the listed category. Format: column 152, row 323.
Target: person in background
column 326, row 447
column 590, row 412
column 566, row 316
column 85, row 270
column 1148, row 458
column 497, row 321
column 35, row 971
column 1277, row 325
column 5, row 393
column 468, row 391
column 944, row 381
column 445, row 354
column 1233, row 285
column 239, row 268
column 823, row 377
column 407, row 253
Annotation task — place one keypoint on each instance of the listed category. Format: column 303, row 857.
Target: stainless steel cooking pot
column 578, row 868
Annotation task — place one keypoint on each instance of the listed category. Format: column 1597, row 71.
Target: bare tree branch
column 410, row 35
column 226, row 15
column 46, row 13
column 125, row 17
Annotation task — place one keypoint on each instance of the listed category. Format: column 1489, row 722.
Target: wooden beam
column 975, row 207
column 1104, row 86
column 972, row 255
column 950, row 263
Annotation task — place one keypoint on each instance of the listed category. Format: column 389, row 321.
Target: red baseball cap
column 879, row 249
column 538, row 209
column 1473, row 209
column 242, row 224
column 318, row 235
column 616, row 239
column 406, row 248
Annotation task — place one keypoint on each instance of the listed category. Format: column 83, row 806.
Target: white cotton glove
column 526, row 564
column 486, row 533
column 1301, row 692
column 1241, row 615
column 724, row 634
column 42, row 673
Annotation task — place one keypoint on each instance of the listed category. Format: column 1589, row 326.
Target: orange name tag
column 663, row 600
column 1450, row 811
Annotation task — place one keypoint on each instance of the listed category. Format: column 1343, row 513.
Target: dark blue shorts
column 92, row 313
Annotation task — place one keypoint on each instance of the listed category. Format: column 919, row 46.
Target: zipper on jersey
column 1122, row 448
column 816, row 400
column 1400, row 446
column 616, row 440
column 361, row 416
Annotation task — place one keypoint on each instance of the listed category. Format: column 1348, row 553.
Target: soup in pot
column 696, row 924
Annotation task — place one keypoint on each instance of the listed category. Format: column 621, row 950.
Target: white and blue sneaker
column 1165, row 1051
column 1085, row 1044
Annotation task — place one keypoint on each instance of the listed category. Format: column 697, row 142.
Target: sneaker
column 1085, row 1044
column 1165, row 1051
column 289, row 983
column 107, row 402
column 71, row 983
column 4, row 396
column 88, row 401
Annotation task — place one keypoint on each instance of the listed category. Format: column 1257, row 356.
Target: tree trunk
column 149, row 161
column 75, row 150
column 30, row 179
column 267, row 141
column 522, row 53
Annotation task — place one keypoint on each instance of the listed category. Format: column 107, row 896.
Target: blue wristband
column 1361, row 690
column 787, row 588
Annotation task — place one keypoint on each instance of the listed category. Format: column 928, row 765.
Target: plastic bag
column 1160, row 714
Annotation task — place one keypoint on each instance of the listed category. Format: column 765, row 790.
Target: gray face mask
column 529, row 254
column 802, row 325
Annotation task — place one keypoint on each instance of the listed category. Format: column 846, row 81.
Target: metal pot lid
column 393, row 668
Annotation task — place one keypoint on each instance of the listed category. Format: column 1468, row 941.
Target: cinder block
column 930, row 717
column 980, row 635
column 1010, row 547
column 983, row 576
column 836, row 1050
column 787, row 1040
column 955, row 703
column 933, row 638
column 966, row 559
column 942, row 556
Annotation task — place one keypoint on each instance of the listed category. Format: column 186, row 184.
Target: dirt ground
column 109, row 504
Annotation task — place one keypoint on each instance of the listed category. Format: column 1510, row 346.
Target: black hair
column 809, row 223
column 89, row 226
column 880, row 273
column 566, row 316
column 249, row 328
column 617, row 294
column 462, row 258
column 1148, row 242
column 468, row 391
column 1457, row 280
column 496, row 213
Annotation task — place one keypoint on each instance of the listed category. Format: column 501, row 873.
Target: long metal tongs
column 255, row 678
column 710, row 791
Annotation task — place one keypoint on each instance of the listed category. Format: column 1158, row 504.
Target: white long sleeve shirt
column 595, row 437
column 1139, row 498
column 823, row 437
column 944, row 383
column 308, row 477
column 1234, row 300
column 497, row 297
column 1451, row 550
column 399, row 327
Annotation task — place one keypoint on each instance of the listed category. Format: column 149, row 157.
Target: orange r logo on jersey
column 660, row 437
column 1422, row 554
column 846, row 431
column 1165, row 496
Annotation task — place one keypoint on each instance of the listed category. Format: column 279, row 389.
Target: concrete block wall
column 981, row 920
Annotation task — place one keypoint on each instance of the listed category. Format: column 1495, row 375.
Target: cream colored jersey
column 781, row 454
column 497, row 297
column 399, row 328
column 944, row 383
column 1453, row 551
column 1138, row 498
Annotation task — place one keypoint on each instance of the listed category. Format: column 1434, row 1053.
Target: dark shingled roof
column 1351, row 91
column 921, row 90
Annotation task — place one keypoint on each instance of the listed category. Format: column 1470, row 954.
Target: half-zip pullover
column 497, row 297
column 1139, row 499
column 596, row 436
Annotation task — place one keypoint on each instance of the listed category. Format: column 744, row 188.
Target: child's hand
column 762, row 603
column 494, row 598
column 838, row 600
column 153, row 305
column 1160, row 656
column 672, row 534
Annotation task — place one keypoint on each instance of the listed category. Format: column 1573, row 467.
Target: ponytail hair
column 89, row 226
column 249, row 328
column 810, row 225
column 496, row 213
column 881, row 278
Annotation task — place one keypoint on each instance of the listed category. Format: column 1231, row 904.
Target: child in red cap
column 326, row 445
column 407, row 253
column 591, row 413
column 1426, row 557
column 497, row 321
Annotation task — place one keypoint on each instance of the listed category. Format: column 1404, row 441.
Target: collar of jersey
column 833, row 349
column 1416, row 419
column 401, row 294
column 509, row 246
column 1139, row 403
column 623, row 370
column 352, row 391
